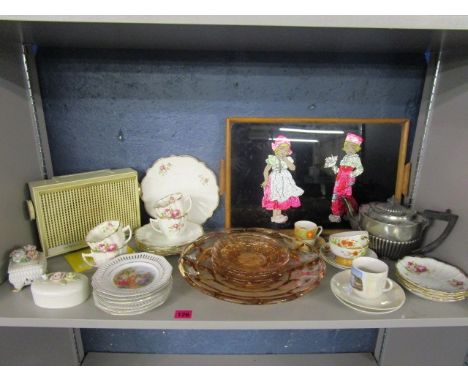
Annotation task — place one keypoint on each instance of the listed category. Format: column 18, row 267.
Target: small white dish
column 365, row 310
column 388, row 301
column 327, row 255
column 150, row 238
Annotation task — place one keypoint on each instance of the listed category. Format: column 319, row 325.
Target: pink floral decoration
column 415, row 268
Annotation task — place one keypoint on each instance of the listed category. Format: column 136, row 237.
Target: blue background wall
column 127, row 108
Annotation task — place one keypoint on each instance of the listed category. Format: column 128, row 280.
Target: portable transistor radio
column 67, row 207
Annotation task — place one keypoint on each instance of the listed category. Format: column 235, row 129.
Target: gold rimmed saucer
column 148, row 240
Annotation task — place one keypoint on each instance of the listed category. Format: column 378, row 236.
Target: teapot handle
column 447, row 216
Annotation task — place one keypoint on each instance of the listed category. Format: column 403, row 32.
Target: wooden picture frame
column 384, row 158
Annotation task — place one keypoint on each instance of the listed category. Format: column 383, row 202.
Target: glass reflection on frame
column 249, row 144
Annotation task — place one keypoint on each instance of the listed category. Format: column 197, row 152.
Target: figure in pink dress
column 350, row 167
column 279, row 189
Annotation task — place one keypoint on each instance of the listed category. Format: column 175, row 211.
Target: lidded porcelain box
column 26, row 265
column 60, row 290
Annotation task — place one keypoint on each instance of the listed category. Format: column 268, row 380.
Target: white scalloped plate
column 136, row 274
column 429, row 273
column 183, row 174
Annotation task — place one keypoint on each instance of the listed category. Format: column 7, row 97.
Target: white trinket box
column 60, row 290
column 26, row 265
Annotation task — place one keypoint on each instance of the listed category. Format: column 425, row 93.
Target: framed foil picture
column 281, row 170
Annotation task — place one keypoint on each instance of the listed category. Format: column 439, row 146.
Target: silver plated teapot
column 395, row 230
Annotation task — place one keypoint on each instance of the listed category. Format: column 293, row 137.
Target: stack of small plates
column 432, row 279
column 132, row 284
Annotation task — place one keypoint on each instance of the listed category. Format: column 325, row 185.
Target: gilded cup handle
column 190, row 203
column 129, row 230
column 155, row 221
column 319, row 231
column 85, row 257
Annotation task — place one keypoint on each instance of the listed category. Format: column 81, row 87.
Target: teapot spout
column 352, row 215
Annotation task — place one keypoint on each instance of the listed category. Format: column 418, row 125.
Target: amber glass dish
column 281, row 269
column 249, row 254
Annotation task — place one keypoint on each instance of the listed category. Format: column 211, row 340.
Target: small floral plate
column 433, row 275
column 136, row 274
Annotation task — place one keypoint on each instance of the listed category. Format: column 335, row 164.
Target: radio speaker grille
column 66, row 208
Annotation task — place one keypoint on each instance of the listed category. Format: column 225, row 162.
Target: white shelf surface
column 431, row 22
column 317, row 310
column 139, row 359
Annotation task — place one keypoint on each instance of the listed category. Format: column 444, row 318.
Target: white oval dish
column 432, row 274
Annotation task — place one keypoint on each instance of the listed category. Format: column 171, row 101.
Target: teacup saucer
column 327, row 255
column 148, row 237
column 388, row 302
column 365, row 310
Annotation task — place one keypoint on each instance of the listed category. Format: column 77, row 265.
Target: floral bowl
column 350, row 239
column 348, row 253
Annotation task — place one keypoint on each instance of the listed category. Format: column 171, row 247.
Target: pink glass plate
column 301, row 274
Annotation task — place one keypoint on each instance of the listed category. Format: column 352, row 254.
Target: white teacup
column 171, row 228
column 109, row 236
column 96, row 259
column 173, row 206
column 369, row 277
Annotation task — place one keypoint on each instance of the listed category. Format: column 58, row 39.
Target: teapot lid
column 392, row 212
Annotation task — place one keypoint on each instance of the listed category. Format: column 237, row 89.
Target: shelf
column 138, row 359
column 316, row 310
column 449, row 22
column 302, row 34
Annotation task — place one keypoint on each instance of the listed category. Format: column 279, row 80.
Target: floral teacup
column 347, row 246
column 171, row 228
column 109, row 236
column 96, row 259
column 173, row 206
column 350, row 239
column 307, row 231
